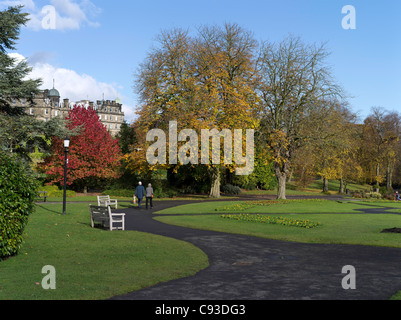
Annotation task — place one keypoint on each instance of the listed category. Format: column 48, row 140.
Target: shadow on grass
column 50, row 210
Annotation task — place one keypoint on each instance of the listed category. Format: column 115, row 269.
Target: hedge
column 18, row 189
column 54, row 191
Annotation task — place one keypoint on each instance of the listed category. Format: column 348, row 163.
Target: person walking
column 139, row 193
column 149, row 196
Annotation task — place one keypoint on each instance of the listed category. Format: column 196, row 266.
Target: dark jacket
column 140, row 192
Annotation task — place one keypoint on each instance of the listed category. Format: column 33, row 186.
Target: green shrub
column 374, row 195
column 165, row 193
column 158, row 192
column 262, row 177
column 230, row 189
column 18, row 190
column 119, row 193
column 389, row 195
column 366, row 195
column 54, row 191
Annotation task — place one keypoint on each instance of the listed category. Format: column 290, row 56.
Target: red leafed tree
column 94, row 155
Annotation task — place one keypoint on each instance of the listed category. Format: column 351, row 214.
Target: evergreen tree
column 12, row 73
column 127, row 138
column 19, row 132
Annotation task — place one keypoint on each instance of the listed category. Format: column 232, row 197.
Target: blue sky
column 98, row 44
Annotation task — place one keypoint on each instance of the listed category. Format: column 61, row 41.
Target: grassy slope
column 91, row 263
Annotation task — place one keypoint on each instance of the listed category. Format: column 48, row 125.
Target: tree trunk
column 290, row 176
column 389, row 176
column 377, row 173
column 281, row 172
column 214, row 172
column 341, row 191
column 325, row 185
column 282, row 183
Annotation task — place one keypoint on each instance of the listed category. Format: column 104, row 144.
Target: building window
column 56, row 113
column 31, row 111
column 46, row 111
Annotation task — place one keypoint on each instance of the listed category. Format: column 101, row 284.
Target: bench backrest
column 100, row 212
column 101, row 200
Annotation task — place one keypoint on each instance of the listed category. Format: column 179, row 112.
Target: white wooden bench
column 103, row 215
column 105, row 201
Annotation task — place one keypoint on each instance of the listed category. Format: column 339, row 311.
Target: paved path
column 250, row 268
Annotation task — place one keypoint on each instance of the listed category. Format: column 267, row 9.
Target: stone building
column 48, row 104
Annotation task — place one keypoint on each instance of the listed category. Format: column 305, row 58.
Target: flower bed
column 247, row 205
column 241, row 206
column 307, row 224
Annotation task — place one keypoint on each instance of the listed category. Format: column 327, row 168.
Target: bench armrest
column 118, row 214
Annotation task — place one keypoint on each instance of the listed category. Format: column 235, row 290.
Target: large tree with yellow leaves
column 202, row 82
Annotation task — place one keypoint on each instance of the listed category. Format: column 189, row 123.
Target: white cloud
column 28, row 4
column 75, row 86
column 63, row 14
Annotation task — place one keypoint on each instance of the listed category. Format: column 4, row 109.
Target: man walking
column 149, row 196
column 139, row 193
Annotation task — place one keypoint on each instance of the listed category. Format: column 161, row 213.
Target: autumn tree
column 202, row 82
column 94, row 155
column 381, row 136
column 294, row 78
column 329, row 142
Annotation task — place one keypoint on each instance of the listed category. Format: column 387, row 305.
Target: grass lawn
column 283, row 206
column 93, row 199
column 334, row 229
column 91, row 263
column 354, row 228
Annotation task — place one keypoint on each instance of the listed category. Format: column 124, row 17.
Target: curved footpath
column 251, row 268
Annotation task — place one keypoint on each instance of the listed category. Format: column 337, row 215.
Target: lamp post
column 66, row 146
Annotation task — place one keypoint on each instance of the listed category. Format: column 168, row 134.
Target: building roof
column 53, row 93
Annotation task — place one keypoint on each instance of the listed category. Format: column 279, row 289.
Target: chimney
column 66, row 103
